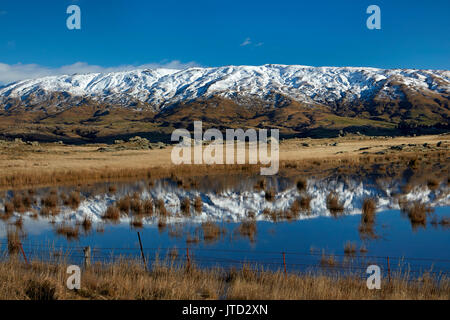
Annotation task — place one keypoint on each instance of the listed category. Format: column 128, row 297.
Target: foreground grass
column 129, row 280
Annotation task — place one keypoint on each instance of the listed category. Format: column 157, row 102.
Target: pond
column 241, row 220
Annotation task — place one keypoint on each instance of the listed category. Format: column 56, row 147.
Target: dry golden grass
column 59, row 164
column 417, row 213
column 148, row 207
column 112, row 214
column 70, row 232
column 161, row 208
column 124, row 204
column 433, row 184
column 136, row 222
column 198, row 204
column 86, row 224
column 73, row 200
column 368, row 210
column 9, row 208
column 328, row 260
column 248, row 229
column 334, row 205
column 185, row 206
column 165, row 280
column 305, row 203
column 349, row 248
column 211, row 231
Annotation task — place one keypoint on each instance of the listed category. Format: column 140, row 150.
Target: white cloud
column 246, row 42
column 15, row 72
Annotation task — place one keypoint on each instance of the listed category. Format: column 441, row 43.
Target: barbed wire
column 352, row 263
column 254, row 252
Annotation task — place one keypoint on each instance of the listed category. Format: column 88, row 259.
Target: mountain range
column 299, row 100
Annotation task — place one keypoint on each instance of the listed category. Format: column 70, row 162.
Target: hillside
column 299, row 100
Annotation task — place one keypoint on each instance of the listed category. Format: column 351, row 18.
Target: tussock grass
column 334, row 205
column 211, row 231
column 127, row 279
column 148, row 207
column 112, row 213
column 295, row 208
column 9, row 208
column 42, row 290
column 22, row 202
column 161, row 208
column 70, row 232
column 368, row 210
column 433, row 184
column 366, row 228
column 269, row 195
column 73, row 200
column 248, row 230
column 124, row 204
column 136, row 206
column 86, row 224
column 305, row 203
column 136, row 222
column 50, row 204
column 301, row 185
column 417, row 213
column 185, row 206
column 198, row 204
column 120, row 168
column 260, row 185
column 275, row 215
column 162, row 224
column 328, row 260
column 298, row 206
column 349, row 248
column 112, row 189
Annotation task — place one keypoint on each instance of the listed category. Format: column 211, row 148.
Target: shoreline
column 23, row 165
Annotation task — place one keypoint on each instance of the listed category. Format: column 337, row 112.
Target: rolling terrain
column 300, row 101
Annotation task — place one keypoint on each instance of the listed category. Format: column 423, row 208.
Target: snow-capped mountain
column 159, row 88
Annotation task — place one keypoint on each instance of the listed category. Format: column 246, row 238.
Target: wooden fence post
column 188, row 259
column 142, row 251
column 23, row 252
column 389, row 270
column 284, row 263
column 87, row 256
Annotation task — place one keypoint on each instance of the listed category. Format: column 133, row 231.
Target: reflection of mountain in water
column 235, row 203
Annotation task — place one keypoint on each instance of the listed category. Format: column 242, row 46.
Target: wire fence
column 355, row 264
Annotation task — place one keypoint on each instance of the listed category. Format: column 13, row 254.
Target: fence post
column 142, row 251
column 87, row 257
column 23, row 252
column 284, row 263
column 188, row 259
column 389, row 270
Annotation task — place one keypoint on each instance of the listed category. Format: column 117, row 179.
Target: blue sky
column 119, row 34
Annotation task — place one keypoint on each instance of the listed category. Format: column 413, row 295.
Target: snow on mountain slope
column 233, row 204
column 162, row 87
